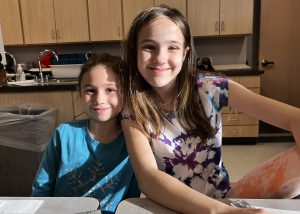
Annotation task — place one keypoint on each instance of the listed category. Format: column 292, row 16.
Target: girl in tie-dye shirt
column 172, row 120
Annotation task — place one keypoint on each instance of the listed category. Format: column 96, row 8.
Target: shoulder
column 69, row 133
column 206, row 82
column 213, row 91
column 72, row 128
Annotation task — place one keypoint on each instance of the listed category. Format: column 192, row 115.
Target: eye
column 174, row 48
column 89, row 91
column 110, row 90
column 148, row 47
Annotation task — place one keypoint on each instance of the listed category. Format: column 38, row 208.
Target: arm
column 44, row 182
column 271, row 111
column 163, row 188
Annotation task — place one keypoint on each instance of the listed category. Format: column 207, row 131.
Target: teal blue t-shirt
column 75, row 165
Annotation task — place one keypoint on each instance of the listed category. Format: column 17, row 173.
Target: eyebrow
column 90, row 85
column 150, row 40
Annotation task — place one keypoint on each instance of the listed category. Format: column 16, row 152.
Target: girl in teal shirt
column 88, row 157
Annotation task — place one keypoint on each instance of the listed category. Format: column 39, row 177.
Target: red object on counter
column 46, row 60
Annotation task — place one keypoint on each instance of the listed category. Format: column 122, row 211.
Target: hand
column 233, row 210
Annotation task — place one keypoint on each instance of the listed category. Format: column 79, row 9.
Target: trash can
column 24, row 134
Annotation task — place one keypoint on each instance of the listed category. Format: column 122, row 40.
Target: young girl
column 172, row 120
column 89, row 157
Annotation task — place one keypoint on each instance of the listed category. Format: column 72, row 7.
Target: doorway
column 279, row 44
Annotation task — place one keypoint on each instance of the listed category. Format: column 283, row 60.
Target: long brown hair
column 141, row 100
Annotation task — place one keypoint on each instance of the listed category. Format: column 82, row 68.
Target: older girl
column 172, row 116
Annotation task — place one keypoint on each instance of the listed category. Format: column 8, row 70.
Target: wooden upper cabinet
column 10, row 20
column 131, row 8
column 38, row 21
column 178, row 4
column 220, row 17
column 52, row 21
column 236, row 17
column 105, row 18
column 203, row 17
column 71, row 20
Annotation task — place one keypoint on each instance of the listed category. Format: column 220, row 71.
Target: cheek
column 116, row 101
column 85, row 99
column 178, row 59
column 143, row 57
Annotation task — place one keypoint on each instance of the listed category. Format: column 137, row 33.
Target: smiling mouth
column 159, row 70
column 101, row 109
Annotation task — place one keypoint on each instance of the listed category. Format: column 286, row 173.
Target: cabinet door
column 105, row 18
column 38, row 21
column 236, row 17
column 203, row 17
column 178, row 4
column 79, row 113
column 131, row 8
column 71, row 20
column 10, row 20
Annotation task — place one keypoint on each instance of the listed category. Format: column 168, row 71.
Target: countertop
column 42, row 87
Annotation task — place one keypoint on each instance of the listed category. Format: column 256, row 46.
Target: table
column 47, row 205
column 147, row 206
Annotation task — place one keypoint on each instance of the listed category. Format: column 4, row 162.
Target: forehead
column 161, row 28
column 100, row 73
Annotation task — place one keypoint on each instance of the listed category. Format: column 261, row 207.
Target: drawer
column 247, row 81
column 238, row 119
column 240, row 131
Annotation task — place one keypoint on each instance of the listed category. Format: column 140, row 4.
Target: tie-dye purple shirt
column 182, row 155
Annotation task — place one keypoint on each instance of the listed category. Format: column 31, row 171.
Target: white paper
column 23, row 83
column 278, row 211
column 19, row 206
column 38, row 70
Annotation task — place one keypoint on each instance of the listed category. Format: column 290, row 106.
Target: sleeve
column 213, row 92
column 44, row 182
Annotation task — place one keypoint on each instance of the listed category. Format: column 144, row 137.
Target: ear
column 185, row 52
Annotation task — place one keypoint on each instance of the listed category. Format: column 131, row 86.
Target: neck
column 167, row 96
column 166, row 93
column 105, row 132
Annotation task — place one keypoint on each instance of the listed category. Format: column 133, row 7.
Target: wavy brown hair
column 110, row 61
column 142, row 102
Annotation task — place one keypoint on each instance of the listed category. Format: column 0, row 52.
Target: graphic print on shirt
column 182, row 155
column 90, row 181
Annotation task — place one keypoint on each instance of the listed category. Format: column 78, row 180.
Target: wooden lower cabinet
column 237, row 124
column 79, row 112
column 59, row 100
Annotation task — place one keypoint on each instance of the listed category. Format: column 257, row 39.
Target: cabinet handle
column 233, row 119
column 222, row 26
column 53, row 34
column 58, row 34
column 217, row 26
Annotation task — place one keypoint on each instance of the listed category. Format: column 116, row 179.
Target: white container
column 66, row 71
column 19, row 72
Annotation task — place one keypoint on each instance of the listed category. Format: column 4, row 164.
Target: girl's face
column 100, row 95
column 161, row 52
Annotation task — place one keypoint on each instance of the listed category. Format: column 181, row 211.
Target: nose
column 160, row 56
column 99, row 98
